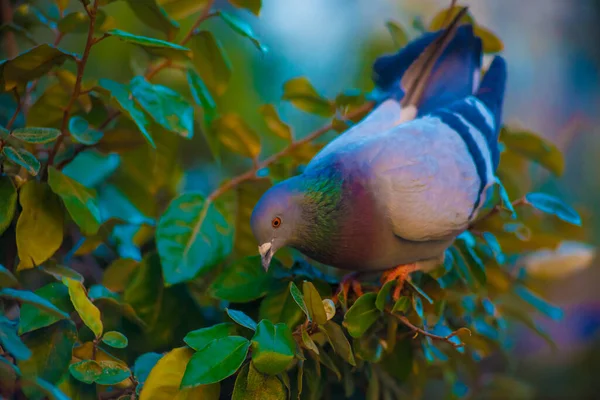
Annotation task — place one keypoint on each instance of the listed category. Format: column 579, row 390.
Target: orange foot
column 400, row 274
column 349, row 281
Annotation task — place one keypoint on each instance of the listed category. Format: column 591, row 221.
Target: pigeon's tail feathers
column 433, row 70
column 491, row 91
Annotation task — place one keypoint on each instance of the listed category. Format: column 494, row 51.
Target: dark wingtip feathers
column 492, row 87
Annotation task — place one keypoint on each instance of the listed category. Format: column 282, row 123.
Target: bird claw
column 399, row 274
column 348, row 282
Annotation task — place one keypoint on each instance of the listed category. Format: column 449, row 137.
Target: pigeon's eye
column 276, row 223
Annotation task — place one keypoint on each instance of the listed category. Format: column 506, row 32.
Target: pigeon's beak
column 266, row 254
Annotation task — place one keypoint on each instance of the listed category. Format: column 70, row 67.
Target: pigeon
column 393, row 192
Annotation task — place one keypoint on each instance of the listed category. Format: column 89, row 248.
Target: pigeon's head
column 276, row 218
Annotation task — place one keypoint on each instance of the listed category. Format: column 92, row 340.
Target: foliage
column 116, row 283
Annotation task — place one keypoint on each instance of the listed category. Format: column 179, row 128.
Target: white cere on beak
column 264, row 248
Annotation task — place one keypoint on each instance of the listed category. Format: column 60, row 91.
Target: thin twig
column 251, row 174
column 423, row 332
column 81, row 63
column 76, row 152
column 17, row 110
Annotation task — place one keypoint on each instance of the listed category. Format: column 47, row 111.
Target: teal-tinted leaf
column 200, row 338
column 155, row 46
column 123, row 97
column 251, row 384
column 535, row 148
column 339, row 342
column 243, row 280
column 553, row 205
column 462, row 268
column 280, row 307
column 23, row 158
column 115, row 339
column 362, row 315
column 36, row 135
column 112, row 373
column 299, row 299
column 89, row 313
column 82, row 132
column 47, row 389
column 241, row 318
column 242, row 28
column 144, row 364
column 475, row 264
column 217, row 361
column 398, row 34
column 549, row 310
column 81, row 202
column 51, row 349
column 86, row 371
column 301, row 93
column 10, row 341
column 383, row 294
column 8, row 202
column 167, row 107
column 314, row 303
column 7, row 279
column 251, row 5
column 274, row 123
column 211, row 62
column 31, row 64
column 33, row 317
column 192, row 236
column 235, row 134
column 153, row 15
column 402, row 305
column 273, row 347
column 506, row 203
column 418, row 306
column 201, row 95
column 494, row 245
column 25, row 296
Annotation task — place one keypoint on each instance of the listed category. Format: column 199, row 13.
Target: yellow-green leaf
column 398, row 33
column 273, row 347
column 235, row 134
column 211, row 62
column 250, row 5
column 36, row 135
column 8, row 202
column 314, row 303
column 89, row 313
column 362, row 315
column 339, row 342
column 491, row 43
column 442, row 18
column 535, row 148
column 153, row 15
column 250, row 384
column 301, row 93
column 274, row 123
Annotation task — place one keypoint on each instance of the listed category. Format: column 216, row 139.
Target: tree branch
column 251, row 174
column 81, row 63
column 423, row 332
column 9, row 42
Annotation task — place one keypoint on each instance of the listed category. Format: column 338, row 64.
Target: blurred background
column 553, row 88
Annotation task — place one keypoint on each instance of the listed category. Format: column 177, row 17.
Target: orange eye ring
column 276, row 223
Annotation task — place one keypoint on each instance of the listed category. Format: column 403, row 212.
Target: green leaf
column 475, row 263
column 10, row 341
column 250, row 5
column 402, row 305
column 60, row 271
column 76, row 21
column 243, row 280
column 167, row 107
column 274, row 123
column 47, row 389
column 25, row 296
column 326, row 360
column 201, row 95
column 82, row 132
column 192, row 236
column 51, row 349
column 217, row 361
column 36, row 135
column 115, row 339
column 241, row 318
column 123, row 97
column 40, row 225
column 382, row 295
column 314, row 303
column 86, row 371
column 153, row 15
column 180, row 9
column 339, row 342
column 398, row 34
column 164, row 380
column 80, row 201
column 34, row 317
column 242, row 28
column 23, row 158
column 235, row 134
column 362, row 315
column 112, row 373
column 211, row 62
column 118, row 274
column 300, row 92
column 89, row 313
column 441, row 19
column 8, row 202
column 299, row 299
column 250, row 384
column 31, row 64
column 273, row 347
column 553, row 205
column 307, row 340
column 280, row 307
column 535, row 148
column 7, row 279
column 157, row 47
column 200, row 338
